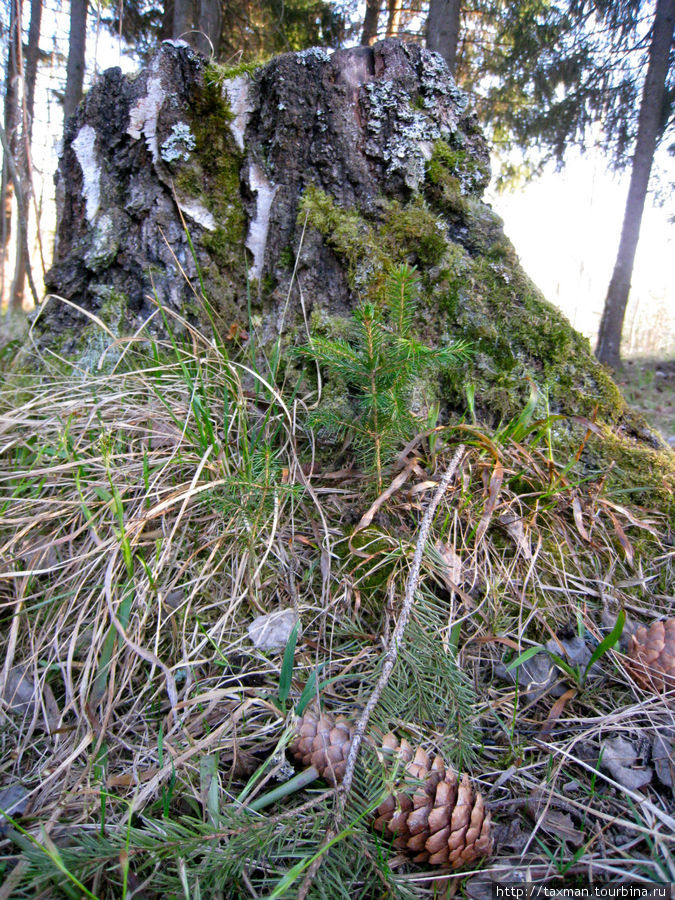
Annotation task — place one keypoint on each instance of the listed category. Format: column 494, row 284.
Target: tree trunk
column 182, row 20
column 443, row 29
column 23, row 160
column 11, row 127
column 207, row 39
column 370, row 23
column 650, row 128
column 32, row 56
column 76, row 51
column 166, row 28
column 394, row 20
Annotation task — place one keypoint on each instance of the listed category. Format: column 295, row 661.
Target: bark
column 76, row 56
column 443, row 29
column 11, row 129
column 650, row 128
column 183, row 20
column 207, row 38
column 370, row 23
column 394, row 19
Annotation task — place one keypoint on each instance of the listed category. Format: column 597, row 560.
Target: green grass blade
column 287, row 665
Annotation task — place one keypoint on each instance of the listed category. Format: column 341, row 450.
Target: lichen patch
column 84, row 146
column 257, row 231
column 237, row 91
column 143, row 116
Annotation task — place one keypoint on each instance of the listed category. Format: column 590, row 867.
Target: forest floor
column 159, row 538
column 649, row 386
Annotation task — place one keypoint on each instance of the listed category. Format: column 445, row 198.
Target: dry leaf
column 271, row 632
column 578, row 519
column 397, row 483
column 21, row 694
column 623, row 540
column 619, row 758
column 514, row 525
column 556, row 711
column 494, row 490
column 663, row 757
column 13, row 802
column 451, row 572
column 541, row 807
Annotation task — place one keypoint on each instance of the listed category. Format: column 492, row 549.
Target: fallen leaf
column 535, row 677
column 556, row 711
column 514, row 525
column 541, row 808
column 14, row 803
column 578, row 519
column 396, row 484
column 494, row 490
column 271, row 632
column 623, row 540
column 618, row 757
column 21, row 694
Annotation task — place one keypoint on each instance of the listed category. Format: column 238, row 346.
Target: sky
column 566, row 227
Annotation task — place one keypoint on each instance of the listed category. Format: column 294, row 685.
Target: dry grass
column 151, row 512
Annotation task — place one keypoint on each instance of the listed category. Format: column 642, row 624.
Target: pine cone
column 652, row 655
column 324, row 743
column 430, row 814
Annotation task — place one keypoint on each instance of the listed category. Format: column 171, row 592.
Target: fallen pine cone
column 430, row 814
column 652, row 655
column 324, row 743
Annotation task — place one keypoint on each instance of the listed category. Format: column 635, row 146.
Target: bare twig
column 397, row 634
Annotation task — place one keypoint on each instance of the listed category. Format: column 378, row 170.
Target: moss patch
column 211, row 175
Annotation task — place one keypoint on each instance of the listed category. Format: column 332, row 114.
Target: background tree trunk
column 207, row 38
column 443, row 29
column 650, row 127
column 23, row 159
column 183, row 20
column 394, row 20
column 370, row 23
column 11, row 126
column 76, row 51
column 32, row 57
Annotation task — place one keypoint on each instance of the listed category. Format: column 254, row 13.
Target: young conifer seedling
column 380, row 361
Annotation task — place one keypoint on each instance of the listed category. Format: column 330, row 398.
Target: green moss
column 444, row 192
column 217, row 74
column 453, row 173
column 213, row 172
column 348, row 233
column 477, row 291
column 211, row 175
column 415, row 231
column 287, row 258
column 639, row 474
